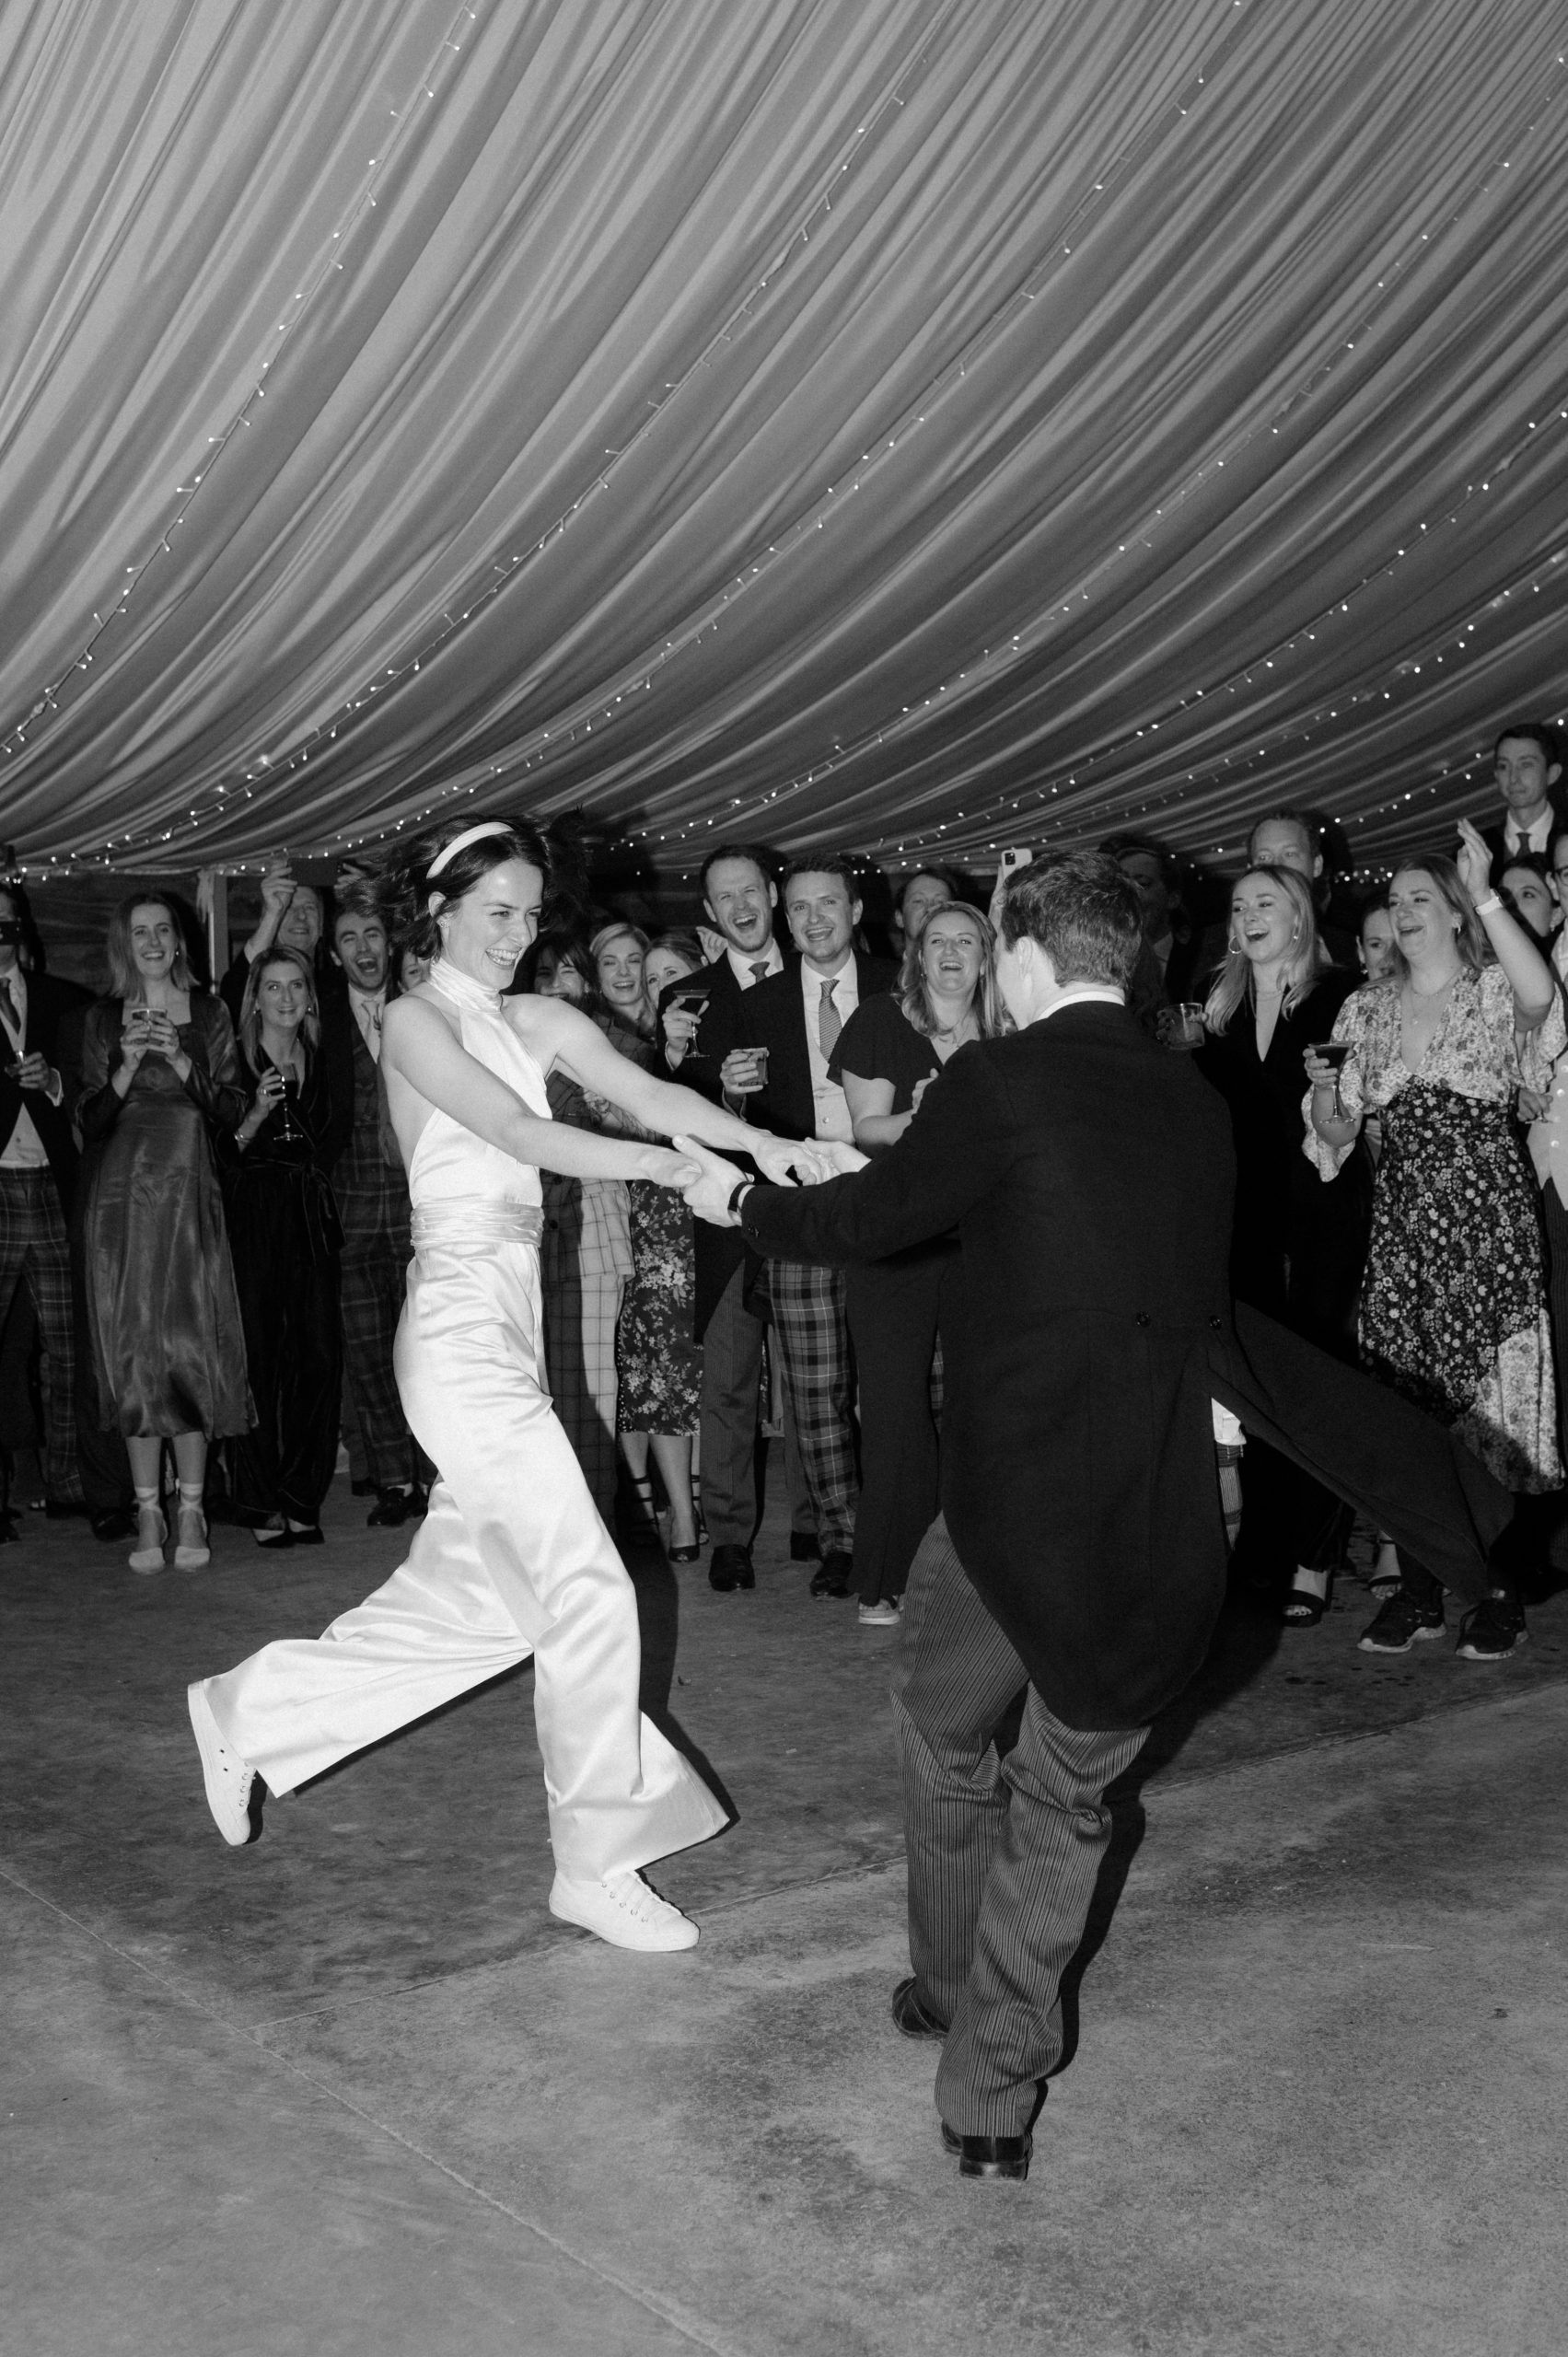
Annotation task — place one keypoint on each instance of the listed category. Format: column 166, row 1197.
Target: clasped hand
column 811, row 1161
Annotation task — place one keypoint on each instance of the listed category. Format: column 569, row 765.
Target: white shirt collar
column 741, row 965
column 1080, row 994
column 1537, row 835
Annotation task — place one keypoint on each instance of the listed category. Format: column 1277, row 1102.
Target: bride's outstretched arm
column 662, row 1106
column 420, row 1051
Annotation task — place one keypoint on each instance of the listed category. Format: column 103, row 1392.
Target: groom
column 1078, row 1559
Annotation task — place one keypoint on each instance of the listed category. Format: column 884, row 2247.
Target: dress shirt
column 24, row 1149
column 831, row 1105
column 741, row 966
column 1082, row 993
column 368, row 1008
column 1535, row 837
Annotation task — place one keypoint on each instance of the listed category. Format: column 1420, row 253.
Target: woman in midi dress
column 1453, row 1308
column 160, row 1075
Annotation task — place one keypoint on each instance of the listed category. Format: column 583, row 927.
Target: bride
column 512, row 1558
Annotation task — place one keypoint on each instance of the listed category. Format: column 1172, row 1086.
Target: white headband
column 462, row 842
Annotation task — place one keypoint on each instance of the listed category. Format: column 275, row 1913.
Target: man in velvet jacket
column 1079, row 1557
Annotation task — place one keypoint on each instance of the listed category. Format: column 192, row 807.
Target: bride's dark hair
column 405, row 884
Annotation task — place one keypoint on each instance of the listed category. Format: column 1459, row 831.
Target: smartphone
column 1016, row 856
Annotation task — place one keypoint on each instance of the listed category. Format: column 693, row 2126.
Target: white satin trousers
column 511, row 1559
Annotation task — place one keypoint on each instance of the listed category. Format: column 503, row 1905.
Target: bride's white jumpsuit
column 512, row 1558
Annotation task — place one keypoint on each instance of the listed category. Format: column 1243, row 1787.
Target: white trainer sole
column 228, row 1780
column 643, row 1921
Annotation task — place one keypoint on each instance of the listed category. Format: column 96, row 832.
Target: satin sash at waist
column 476, row 1220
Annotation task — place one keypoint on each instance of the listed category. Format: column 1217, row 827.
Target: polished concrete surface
column 353, row 2090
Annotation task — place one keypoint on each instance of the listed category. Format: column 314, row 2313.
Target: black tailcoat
column 51, row 1007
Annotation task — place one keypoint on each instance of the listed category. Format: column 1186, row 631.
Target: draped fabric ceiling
column 879, row 424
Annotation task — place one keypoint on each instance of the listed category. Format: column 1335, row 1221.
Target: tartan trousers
column 584, row 1261
column 1003, row 1850
column 817, row 1366
column 375, row 1280
column 34, row 1252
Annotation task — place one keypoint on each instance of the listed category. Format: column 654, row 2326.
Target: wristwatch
column 741, row 1187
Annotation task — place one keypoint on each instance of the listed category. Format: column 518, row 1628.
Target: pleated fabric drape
column 905, row 424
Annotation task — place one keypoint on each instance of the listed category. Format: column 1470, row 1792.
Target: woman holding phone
column 161, row 1076
column 1296, row 1245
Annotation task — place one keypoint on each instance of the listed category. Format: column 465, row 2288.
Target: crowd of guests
column 205, row 1222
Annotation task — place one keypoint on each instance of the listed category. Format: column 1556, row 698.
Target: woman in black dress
column 887, row 1055
column 1298, row 1244
column 286, row 1239
column 161, row 1076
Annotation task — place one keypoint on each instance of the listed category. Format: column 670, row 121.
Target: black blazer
column 1089, row 1176
column 1495, row 836
column 773, row 1016
column 719, row 1251
column 52, row 1008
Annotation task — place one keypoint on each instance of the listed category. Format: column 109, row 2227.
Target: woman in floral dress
column 1453, row 1310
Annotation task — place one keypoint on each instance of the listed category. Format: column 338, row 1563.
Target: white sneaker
column 192, row 1553
column 624, row 1910
column 151, row 1533
column 228, row 1780
column 885, row 1613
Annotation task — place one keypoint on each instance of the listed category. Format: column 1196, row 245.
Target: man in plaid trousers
column 373, row 1200
column 38, row 1172
column 796, row 1018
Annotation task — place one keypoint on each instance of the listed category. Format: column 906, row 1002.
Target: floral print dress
column 1453, row 1309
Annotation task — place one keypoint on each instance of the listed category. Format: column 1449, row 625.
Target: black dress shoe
column 803, row 1548
column 112, row 1524
column 730, row 1567
column 308, row 1534
column 911, row 2016
column 989, row 2155
column 391, row 1507
column 833, row 1574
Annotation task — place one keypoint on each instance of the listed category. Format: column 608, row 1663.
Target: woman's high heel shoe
column 1306, row 1604
column 698, row 1516
column 641, row 1527
column 192, row 1553
column 152, row 1533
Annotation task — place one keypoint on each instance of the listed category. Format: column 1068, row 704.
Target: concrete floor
column 352, row 2090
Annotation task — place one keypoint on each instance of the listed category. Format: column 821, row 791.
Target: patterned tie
column 7, row 1004
column 829, row 1022
column 760, row 970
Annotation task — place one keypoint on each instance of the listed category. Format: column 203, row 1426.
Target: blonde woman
column 161, row 1077
column 1296, row 1245
column 888, row 1054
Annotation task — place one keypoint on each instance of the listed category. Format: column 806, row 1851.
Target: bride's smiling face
column 486, row 932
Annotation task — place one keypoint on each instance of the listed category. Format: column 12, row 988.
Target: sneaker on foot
column 151, row 1533
column 624, row 1910
column 885, row 1613
column 228, row 1779
column 1493, row 1632
column 1400, row 1625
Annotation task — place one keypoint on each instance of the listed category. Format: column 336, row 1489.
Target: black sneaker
column 1493, row 1632
column 1401, row 1623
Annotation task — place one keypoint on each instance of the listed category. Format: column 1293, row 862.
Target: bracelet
column 742, row 1187
column 1493, row 900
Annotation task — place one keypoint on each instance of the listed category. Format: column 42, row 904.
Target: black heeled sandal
column 1303, row 1607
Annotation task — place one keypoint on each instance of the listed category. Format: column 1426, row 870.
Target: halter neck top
column 460, row 1187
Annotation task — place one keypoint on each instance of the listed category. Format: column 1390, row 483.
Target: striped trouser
column 818, row 1378
column 33, row 1252
column 374, row 1282
column 1003, row 1853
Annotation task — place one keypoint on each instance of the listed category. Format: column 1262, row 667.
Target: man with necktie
column 796, row 1018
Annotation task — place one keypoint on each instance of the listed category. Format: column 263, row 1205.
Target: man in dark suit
column 795, row 1019
column 38, row 1175
column 1078, row 1561
column 1079, row 1557
column 1529, row 771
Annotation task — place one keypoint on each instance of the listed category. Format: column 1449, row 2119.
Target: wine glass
column 1334, row 1053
